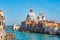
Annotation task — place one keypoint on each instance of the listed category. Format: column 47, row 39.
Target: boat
column 15, row 27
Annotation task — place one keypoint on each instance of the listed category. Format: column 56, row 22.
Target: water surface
column 31, row 36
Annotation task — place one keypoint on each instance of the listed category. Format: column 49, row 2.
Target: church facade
column 38, row 23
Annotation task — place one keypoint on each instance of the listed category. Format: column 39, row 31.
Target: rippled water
column 32, row 36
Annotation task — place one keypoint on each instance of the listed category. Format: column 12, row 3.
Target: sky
column 15, row 11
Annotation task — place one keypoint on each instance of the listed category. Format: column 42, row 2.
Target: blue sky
column 16, row 11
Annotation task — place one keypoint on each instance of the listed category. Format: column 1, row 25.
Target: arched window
column 0, row 14
column 0, row 22
column 4, row 26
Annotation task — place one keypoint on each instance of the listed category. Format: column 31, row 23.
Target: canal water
column 31, row 36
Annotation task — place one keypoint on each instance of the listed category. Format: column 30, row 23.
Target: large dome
column 32, row 15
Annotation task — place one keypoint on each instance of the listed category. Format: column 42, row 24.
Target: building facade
column 2, row 26
column 39, row 24
column 31, row 23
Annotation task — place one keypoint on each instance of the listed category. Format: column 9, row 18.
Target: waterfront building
column 39, row 24
column 46, row 29
column 33, row 26
column 31, row 23
column 28, row 25
column 40, row 27
column 2, row 26
column 58, row 28
column 24, row 24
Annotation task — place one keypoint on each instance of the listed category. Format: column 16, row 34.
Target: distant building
column 39, row 24
column 23, row 26
column 2, row 26
column 31, row 23
column 15, row 27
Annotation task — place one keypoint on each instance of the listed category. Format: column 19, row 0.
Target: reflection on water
column 32, row 36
